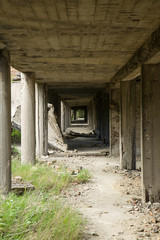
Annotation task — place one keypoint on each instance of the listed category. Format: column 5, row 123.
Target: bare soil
column 111, row 201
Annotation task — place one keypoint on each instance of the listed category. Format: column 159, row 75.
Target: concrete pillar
column 105, row 118
column 67, row 116
column 151, row 132
column 90, row 112
column 128, row 125
column 100, row 107
column 85, row 115
column 41, row 119
column 114, row 121
column 62, row 117
column 28, row 119
column 5, row 123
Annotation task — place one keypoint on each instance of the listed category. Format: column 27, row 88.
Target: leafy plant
column 16, row 136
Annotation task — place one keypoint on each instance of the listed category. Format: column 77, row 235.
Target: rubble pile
column 147, row 225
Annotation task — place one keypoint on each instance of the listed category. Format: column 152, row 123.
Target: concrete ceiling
column 75, row 41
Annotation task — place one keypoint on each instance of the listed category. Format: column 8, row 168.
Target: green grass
column 83, row 176
column 33, row 216
column 39, row 214
column 42, row 177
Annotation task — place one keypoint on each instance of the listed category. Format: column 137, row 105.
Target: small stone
column 18, row 178
column 95, row 234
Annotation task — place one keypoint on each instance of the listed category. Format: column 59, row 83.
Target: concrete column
column 100, row 108
column 65, row 116
column 114, row 121
column 85, row 115
column 5, row 123
column 90, row 111
column 28, row 119
column 62, row 117
column 151, row 132
column 105, row 118
column 41, row 120
column 128, row 125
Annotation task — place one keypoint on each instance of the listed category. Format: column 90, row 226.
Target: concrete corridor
column 89, row 64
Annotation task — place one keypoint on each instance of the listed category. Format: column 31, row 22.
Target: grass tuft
column 83, row 176
column 42, row 177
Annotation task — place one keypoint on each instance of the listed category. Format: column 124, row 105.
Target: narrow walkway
column 107, row 210
column 104, row 207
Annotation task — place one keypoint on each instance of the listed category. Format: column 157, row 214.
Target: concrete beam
column 150, row 47
column 5, row 123
column 28, row 119
column 41, row 120
column 151, row 132
column 128, row 125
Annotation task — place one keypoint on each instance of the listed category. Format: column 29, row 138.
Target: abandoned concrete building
column 100, row 58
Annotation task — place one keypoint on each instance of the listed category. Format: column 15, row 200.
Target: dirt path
column 107, row 210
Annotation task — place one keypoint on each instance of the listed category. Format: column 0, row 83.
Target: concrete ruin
column 102, row 55
column 55, row 139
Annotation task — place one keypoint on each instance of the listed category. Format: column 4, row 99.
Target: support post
column 5, row 123
column 105, row 116
column 151, row 132
column 41, row 120
column 128, row 125
column 28, row 119
column 62, row 117
column 114, row 121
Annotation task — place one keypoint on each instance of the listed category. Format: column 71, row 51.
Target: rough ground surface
column 111, row 201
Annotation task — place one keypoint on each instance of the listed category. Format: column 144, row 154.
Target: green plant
column 39, row 214
column 16, row 136
column 42, row 177
column 83, row 176
column 35, row 216
column 15, row 152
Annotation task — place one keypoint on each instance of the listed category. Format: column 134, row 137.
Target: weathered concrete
column 105, row 117
column 67, row 116
column 142, row 55
column 128, row 125
column 114, row 121
column 28, row 119
column 55, row 137
column 41, row 120
column 5, row 123
column 15, row 100
column 62, row 117
column 138, row 119
column 151, row 132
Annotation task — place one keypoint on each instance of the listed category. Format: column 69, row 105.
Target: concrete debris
column 77, row 134
column 19, row 187
column 55, row 136
column 44, row 157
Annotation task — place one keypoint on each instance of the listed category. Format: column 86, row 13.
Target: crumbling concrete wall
column 55, row 136
column 114, row 121
column 16, row 102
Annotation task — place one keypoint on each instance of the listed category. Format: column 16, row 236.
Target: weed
column 39, row 214
column 33, row 216
column 83, row 176
column 42, row 177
